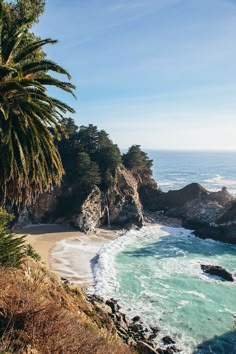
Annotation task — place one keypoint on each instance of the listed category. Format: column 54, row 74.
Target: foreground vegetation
column 39, row 314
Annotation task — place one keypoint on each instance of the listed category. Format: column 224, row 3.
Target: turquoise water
column 155, row 273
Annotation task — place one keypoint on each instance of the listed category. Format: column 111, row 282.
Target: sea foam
column 156, row 273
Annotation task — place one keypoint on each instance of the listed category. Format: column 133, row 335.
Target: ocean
column 156, row 272
column 213, row 170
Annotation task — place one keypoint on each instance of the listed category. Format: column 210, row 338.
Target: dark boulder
column 168, row 340
column 136, row 327
column 112, row 303
column 154, row 329
column 218, row 271
column 136, row 319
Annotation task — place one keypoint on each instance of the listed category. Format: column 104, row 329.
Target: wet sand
column 68, row 252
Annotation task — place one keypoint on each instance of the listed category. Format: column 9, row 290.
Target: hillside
column 40, row 314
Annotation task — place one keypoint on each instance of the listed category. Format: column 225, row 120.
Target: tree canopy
column 88, row 155
column 138, row 162
column 29, row 161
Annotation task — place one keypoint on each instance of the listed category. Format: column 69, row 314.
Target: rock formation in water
column 210, row 214
column 218, row 271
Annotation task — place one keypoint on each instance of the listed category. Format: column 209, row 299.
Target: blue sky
column 160, row 73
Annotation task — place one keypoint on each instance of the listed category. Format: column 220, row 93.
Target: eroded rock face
column 40, row 211
column 157, row 200
column 223, row 233
column 91, row 212
column 45, row 204
column 209, row 214
column 229, row 214
column 124, row 203
column 198, row 211
column 121, row 203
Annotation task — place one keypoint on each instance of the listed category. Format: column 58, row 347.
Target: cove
column 156, row 273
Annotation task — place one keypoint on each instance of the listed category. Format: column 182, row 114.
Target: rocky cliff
column 123, row 199
column 120, row 205
column 210, row 214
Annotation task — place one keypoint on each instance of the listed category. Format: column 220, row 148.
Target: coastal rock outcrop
column 119, row 206
column 218, row 271
column 209, row 214
column 124, row 204
column 91, row 212
column 229, row 214
column 134, row 332
column 155, row 199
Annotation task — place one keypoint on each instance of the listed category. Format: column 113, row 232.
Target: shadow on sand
column 38, row 229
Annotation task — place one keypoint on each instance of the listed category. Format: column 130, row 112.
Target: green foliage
column 138, row 162
column 22, row 11
column 88, row 138
column 89, row 158
column 87, row 170
column 12, row 248
column 29, row 161
column 30, row 252
column 88, row 155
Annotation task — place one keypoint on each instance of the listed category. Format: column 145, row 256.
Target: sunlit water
column 176, row 169
column 156, row 273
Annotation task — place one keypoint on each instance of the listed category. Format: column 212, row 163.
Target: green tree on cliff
column 87, row 171
column 138, row 162
column 88, row 142
column 29, row 161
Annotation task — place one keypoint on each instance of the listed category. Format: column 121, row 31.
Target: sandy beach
column 68, row 252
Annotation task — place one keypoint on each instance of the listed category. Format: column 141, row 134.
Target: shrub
column 30, row 252
column 38, row 316
column 12, row 249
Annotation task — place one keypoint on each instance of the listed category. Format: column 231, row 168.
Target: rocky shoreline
column 133, row 332
column 209, row 214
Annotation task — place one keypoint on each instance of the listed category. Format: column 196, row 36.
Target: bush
column 12, row 248
column 30, row 252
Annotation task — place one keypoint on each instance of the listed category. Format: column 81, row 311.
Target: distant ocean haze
column 213, row 170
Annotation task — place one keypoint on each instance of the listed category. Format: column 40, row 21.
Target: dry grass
column 37, row 315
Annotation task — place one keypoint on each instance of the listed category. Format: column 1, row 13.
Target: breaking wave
column 156, row 273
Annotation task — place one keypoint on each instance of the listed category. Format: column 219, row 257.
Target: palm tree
column 29, row 161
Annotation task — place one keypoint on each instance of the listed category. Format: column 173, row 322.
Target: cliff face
column 121, row 205
column 123, row 199
column 41, row 210
column 91, row 212
column 210, row 214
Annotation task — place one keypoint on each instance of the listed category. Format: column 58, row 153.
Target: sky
column 158, row 73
